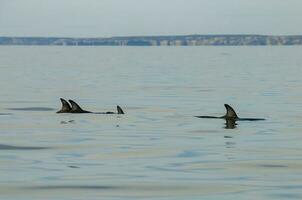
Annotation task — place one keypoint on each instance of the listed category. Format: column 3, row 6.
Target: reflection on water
column 10, row 147
column 32, row 109
column 74, row 167
column 230, row 124
column 158, row 149
column 74, row 187
column 271, row 165
column 68, row 122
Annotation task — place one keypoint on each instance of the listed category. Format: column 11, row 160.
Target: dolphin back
column 251, row 119
column 208, row 117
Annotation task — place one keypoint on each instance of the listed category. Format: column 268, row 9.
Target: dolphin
column 120, row 110
column 66, row 108
column 231, row 116
column 75, row 108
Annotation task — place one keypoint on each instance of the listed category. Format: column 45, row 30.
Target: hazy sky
column 103, row 18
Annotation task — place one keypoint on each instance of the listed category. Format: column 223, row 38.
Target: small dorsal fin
column 75, row 107
column 230, row 112
column 65, row 106
column 120, row 110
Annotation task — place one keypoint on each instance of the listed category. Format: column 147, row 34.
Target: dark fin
column 120, row 110
column 65, row 106
column 75, row 108
column 230, row 114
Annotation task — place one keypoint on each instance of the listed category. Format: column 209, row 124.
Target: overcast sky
column 103, row 18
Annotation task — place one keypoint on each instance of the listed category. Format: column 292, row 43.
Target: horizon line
column 176, row 35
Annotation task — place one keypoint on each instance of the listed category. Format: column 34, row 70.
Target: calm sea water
column 158, row 150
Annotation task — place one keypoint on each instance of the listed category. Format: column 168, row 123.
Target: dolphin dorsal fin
column 230, row 112
column 65, row 106
column 75, row 107
column 120, row 110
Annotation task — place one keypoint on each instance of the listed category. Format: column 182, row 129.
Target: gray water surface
column 158, row 149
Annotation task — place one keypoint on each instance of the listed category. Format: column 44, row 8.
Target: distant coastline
column 179, row 40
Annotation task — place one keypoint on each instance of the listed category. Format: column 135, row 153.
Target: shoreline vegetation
column 179, row 40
